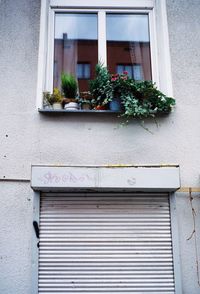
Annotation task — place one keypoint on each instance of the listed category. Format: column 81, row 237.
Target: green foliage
column 69, row 85
column 46, row 97
column 84, row 101
column 145, row 100
column 56, row 97
column 139, row 98
column 100, row 87
column 121, row 84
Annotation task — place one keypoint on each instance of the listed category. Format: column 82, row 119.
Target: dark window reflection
column 134, row 71
column 83, row 71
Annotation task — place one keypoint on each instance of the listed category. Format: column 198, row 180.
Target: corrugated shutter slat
column 103, row 243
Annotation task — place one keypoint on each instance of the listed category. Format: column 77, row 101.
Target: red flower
column 125, row 72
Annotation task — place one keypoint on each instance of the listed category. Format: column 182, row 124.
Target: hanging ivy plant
column 145, row 100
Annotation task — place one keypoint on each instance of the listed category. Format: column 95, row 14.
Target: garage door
column 104, row 243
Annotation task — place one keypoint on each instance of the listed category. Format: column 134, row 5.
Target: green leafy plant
column 55, row 97
column 85, row 103
column 69, row 85
column 100, row 87
column 46, row 98
column 121, row 84
column 145, row 100
column 139, row 98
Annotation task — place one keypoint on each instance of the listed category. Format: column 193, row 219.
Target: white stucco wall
column 28, row 137
column 188, row 249
column 16, row 217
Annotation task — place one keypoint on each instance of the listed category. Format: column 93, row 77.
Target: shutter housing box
column 101, row 178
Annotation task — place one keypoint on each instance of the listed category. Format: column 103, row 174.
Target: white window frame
column 158, row 31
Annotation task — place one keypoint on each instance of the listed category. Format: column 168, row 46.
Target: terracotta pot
column 101, row 107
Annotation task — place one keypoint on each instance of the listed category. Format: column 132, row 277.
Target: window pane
column 128, row 68
column 137, row 72
column 120, row 69
column 79, row 71
column 83, row 71
column 128, row 44
column 87, row 71
column 75, row 47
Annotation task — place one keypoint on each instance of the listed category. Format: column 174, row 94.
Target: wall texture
column 28, row 137
column 16, row 216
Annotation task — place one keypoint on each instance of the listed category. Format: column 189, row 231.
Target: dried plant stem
column 193, row 235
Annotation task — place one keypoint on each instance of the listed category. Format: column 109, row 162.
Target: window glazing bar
column 102, row 53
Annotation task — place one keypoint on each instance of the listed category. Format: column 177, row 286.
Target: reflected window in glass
column 134, row 71
column 128, row 45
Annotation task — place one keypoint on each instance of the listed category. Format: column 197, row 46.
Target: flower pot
column 71, row 106
column 100, row 107
column 67, row 101
column 57, row 106
column 115, row 104
column 86, row 106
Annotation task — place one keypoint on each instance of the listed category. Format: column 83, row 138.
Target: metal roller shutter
column 104, row 243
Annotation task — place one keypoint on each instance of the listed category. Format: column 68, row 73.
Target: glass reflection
column 75, row 47
column 128, row 45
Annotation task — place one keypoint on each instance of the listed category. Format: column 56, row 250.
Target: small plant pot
column 101, row 107
column 115, row 105
column 86, row 106
column 68, row 100
column 57, row 106
column 71, row 106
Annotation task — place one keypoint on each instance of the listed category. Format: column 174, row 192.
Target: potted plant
column 143, row 99
column 46, row 99
column 101, row 88
column 85, row 100
column 121, row 86
column 69, row 88
column 134, row 99
column 54, row 99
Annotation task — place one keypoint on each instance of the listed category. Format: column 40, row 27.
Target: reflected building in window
column 76, row 46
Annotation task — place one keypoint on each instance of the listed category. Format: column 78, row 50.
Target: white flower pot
column 57, row 106
column 71, row 106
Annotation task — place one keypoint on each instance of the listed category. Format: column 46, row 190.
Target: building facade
column 88, row 205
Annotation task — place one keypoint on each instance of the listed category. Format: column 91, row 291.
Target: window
column 126, row 35
column 134, row 71
column 76, row 39
column 83, row 71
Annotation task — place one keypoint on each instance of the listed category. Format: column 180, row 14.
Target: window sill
column 53, row 111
